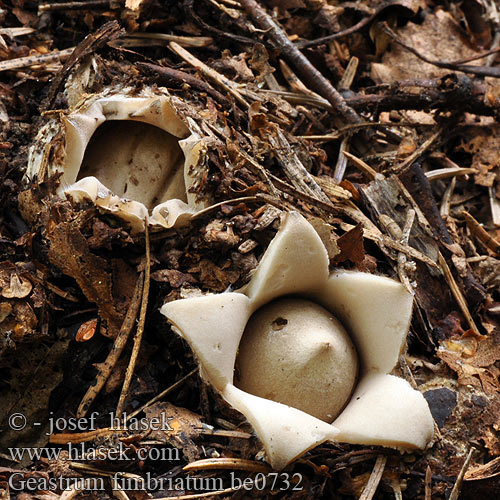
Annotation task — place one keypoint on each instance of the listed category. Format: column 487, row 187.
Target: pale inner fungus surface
column 296, row 352
column 137, row 161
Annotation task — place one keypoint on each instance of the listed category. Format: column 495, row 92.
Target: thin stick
column 179, row 78
column 162, row 394
column 343, row 33
column 313, row 77
column 375, row 477
column 457, row 293
column 293, row 167
column 227, row 463
column 428, row 484
column 106, row 33
column 215, row 76
column 294, row 81
column 25, row 62
column 455, row 492
column 443, row 173
column 402, row 167
column 185, row 41
column 363, row 166
column 81, row 437
column 44, row 7
column 481, row 234
column 140, row 326
column 106, row 368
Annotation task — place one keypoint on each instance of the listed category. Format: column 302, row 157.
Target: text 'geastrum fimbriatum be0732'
column 313, row 350
column 127, row 152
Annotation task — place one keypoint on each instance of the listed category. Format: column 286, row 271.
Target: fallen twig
column 375, row 477
column 455, row 492
column 140, row 326
column 89, row 4
column 481, row 234
column 313, row 77
column 221, row 80
column 107, row 32
column 105, row 369
column 464, row 68
column 179, row 78
column 25, row 62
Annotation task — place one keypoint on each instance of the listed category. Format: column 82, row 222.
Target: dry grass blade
column 455, row 492
column 481, row 234
column 228, row 463
column 216, row 77
column 375, row 477
column 443, row 173
column 403, row 166
column 25, row 62
column 162, row 394
column 140, row 326
column 457, row 293
column 428, row 484
column 294, row 81
column 363, row 166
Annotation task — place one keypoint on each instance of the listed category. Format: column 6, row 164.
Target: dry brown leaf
column 185, row 427
column 483, row 471
column 69, row 251
column 175, row 278
column 214, row 277
column 473, row 359
column 438, row 38
column 351, row 246
column 483, row 146
column 19, row 320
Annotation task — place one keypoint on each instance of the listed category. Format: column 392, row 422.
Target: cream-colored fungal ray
column 213, row 326
column 285, row 432
column 81, row 124
column 385, row 410
column 294, row 263
column 375, row 310
column 126, row 154
column 136, row 161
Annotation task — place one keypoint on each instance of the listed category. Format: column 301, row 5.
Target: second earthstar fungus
column 322, row 346
column 128, row 152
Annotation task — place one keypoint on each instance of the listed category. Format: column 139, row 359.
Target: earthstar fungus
column 292, row 286
column 127, row 152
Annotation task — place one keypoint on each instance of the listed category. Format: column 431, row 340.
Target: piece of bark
column 420, row 189
column 385, row 196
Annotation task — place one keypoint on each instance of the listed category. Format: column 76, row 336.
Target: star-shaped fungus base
column 375, row 311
